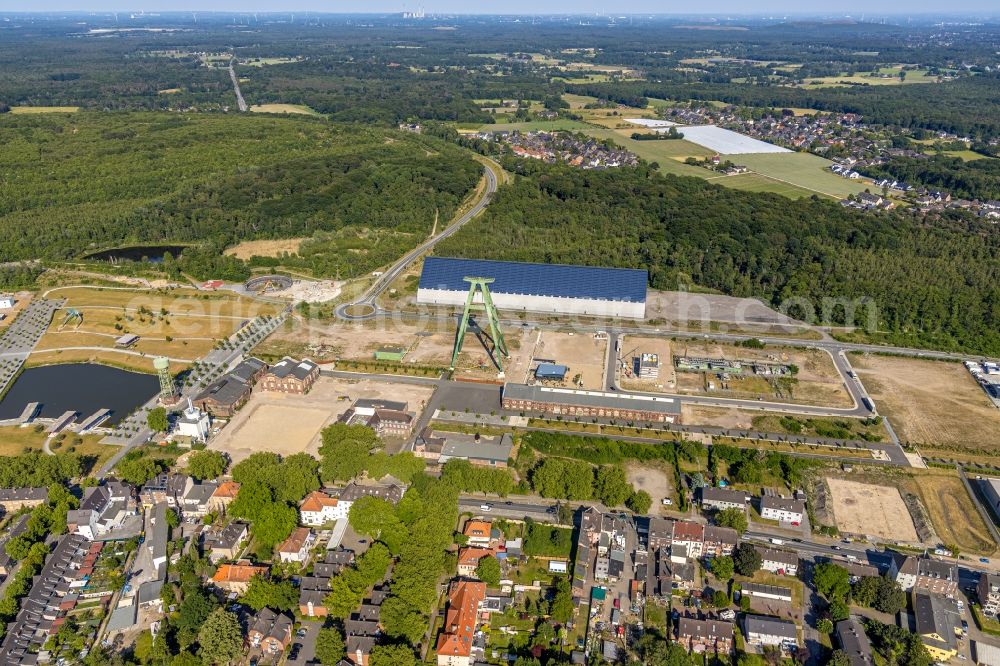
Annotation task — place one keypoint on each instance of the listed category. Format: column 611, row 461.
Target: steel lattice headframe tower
column 481, row 284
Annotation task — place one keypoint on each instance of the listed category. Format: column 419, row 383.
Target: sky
column 824, row 7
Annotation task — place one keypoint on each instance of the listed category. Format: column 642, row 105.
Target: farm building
column 584, row 290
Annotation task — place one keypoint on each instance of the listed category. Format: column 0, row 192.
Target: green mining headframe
column 481, row 284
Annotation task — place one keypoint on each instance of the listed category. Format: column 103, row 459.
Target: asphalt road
column 390, row 275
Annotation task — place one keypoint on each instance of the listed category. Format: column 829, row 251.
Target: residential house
column 236, row 577
column 296, row 548
column 270, row 631
column 455, row 643
column 318, row 509
column 779, row 561
column 705, row 636
column 782, row 509
column 724, row 498
column 103, row 509
column 313, row 589
column 924, row 574
column 468, row 560
column 663, row 576
column 225, row 544
column 290, row 376
column 388, row 488
column 719, row 541
column 857, row 570
column 854, row 643
column 362, row 628
column 478, row 533
column 989, row 593
column 14, row 499
column 387, row 418
column 937, row 620
column 223, row 496
column 689, row 534
column 761, row 631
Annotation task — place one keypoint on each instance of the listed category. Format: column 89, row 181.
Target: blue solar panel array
column 609, row 284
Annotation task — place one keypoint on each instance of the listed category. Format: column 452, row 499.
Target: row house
column 724, row 498
column 362, row 629
column 314, row 589
column 270, row 631
column 701, row 540
column 708, row 636
column 761, row 631
column 923, row 574
column 989, row 593
column 455, row 645
column 779, row 561
column 15, row 499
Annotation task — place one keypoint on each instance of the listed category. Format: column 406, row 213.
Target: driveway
column 308, row 642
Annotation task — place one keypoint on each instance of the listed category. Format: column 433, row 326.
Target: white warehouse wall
column 548, row 304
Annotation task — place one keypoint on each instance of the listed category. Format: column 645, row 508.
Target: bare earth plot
column 693, row 308
column 935, row 404
column 288, row 424
column 817, row 383
column 654, row 480
column 264, row 248
column 582, row 353
column 861, row 508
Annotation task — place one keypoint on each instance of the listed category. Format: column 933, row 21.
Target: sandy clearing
column 861, row 508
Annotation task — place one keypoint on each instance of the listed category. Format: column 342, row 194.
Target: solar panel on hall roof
column 610, row 284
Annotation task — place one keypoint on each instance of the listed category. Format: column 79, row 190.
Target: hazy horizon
column 511, row 7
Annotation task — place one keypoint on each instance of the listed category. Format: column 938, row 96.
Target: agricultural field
column 755, row 182
column 864, row 509
column 182, row 324
column 888, row 76
column 25, row 110
column 802, row 170
column 284, row 108
column 816, row 382
column 533, row 125
column 935, row 405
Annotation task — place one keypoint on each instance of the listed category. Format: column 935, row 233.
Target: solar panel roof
column 610, row 284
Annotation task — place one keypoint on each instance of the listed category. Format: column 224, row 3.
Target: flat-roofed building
column 591, row 404
column 530, row 287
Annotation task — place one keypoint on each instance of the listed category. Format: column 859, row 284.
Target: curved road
column 389, row 276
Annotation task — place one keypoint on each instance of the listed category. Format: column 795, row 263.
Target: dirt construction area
column 632, row 347
column 584, row 354
column 287, row 424
column 932, row 403
column 861, row 508
column 654, row 480
column 815, row 382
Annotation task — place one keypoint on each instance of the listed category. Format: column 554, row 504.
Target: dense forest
column 86, row 181
column 930, row 284
column 974, row 179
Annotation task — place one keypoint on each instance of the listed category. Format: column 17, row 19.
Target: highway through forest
column 236, row 87
column 367, row 300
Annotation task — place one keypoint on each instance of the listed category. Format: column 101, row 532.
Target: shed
column 551, row 371
column 127, row 340
column 558, row 566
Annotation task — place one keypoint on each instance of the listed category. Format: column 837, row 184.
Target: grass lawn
column 15, row 440
column 755, row 182
column 967, row 155
column 915, row 76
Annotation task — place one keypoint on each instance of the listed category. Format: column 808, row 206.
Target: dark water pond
column 81, row 387
column 153, row 253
